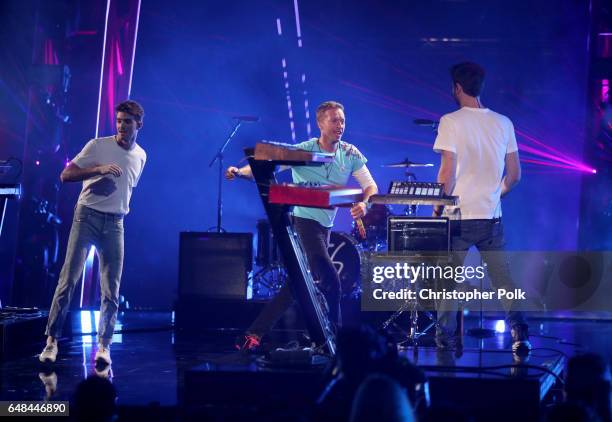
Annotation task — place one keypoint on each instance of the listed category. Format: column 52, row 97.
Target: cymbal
column 407, row 163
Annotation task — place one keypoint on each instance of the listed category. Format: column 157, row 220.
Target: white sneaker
column 49, row 353
column 103, row 355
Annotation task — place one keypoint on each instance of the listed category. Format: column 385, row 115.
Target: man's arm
column 369, row 191
column 74, row 173
column 233, row 172
column 446, row 175
column 369, row 187
column 513, row 172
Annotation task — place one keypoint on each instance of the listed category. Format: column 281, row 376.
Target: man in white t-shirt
column 109, row 168
column 477, row 145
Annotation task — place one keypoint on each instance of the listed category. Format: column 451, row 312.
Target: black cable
column 569, row 343
column 490, row 368
column 558, row 352
column 543, row 336
column 559, row 340
column 498, row 374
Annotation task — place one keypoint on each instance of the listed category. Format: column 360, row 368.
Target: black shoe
column 520, row 339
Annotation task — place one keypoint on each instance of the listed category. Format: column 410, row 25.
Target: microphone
column 246, row 119
column 426, row 122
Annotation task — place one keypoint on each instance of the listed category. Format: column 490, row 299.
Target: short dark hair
column 131, row 107
column 470, row 76
column 327, row 105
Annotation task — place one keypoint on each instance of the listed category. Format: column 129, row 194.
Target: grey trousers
column 488, row 237
column 105, row 232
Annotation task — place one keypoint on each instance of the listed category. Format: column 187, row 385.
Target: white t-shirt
column 481, row 139
column 109, row 193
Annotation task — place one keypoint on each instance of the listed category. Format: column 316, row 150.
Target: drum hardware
column 427, row 240
column 410, row 210
column 412, row 335
column 414, row 308
column 272, row 275
column 406, row 164
column 268, row 281
column 349, row 258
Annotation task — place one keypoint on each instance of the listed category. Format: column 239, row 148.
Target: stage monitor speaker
column 214, row 265
column 419, row 235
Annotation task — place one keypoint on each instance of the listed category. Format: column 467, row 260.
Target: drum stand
column 272, row 277
column 272, row 274
column 413, row 335
column 412, row 306
column 411, row 210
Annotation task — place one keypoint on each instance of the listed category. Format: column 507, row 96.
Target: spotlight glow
column 86, row 325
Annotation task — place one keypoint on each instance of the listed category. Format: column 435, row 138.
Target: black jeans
column 315, row 240
column 488, row 237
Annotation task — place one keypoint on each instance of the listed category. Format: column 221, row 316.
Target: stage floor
column 149, row 364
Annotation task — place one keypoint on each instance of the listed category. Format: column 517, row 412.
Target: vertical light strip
column 279, row 28
column 96, row 320
column 3, row 214
column 102, row 67
column 134, row 49
column 288, row 94
column 306, row 110
column 297, row 22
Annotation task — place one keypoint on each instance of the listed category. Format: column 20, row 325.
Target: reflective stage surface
column 149, row 364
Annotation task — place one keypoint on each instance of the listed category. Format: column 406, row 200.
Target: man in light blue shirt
column 313, row 225
column 347, row 161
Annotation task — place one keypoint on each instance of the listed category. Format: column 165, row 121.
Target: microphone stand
column 219, row 157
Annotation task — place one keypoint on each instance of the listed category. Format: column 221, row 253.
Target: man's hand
column 232, row 172
column 74, row 173
column 358, row 210
column 113, row 169
column 513, row 173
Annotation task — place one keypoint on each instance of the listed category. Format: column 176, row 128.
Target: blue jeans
column 488, row 237
column 105, row 232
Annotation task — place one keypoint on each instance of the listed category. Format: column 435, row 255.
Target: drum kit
column 349, row 251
